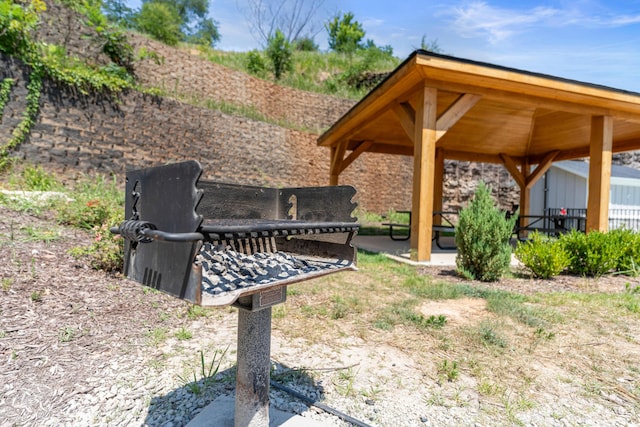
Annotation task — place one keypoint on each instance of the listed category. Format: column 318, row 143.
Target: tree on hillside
column 430, row 45
column 194, row 24
column 161, row 21
column 296, row 19
column 345, row 33
column 279, row 52
column 169, row 21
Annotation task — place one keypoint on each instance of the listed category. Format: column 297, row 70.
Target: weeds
column 344, row 383
column 156, row 336
column 208, row 373
column 66, row 334
column 448, row 370
column 183, row 334
column 35, row 234
column 36, row 296
column 488, row 335
column 196, row 311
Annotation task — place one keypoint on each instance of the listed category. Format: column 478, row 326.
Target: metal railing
column 618, row 218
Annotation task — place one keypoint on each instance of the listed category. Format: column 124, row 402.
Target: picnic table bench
column 445, row 226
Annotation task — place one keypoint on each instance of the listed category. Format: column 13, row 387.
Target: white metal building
column 565, row 185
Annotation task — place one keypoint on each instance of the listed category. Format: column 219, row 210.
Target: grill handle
column 146, row 232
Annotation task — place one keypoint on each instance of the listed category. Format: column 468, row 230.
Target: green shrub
column 628, row 243
column 255, row 63
column 95, row 202
column 18, row 20
column 305, row 44
column 543, row 256
column 482, row 237
column 106, row 252
column 591, row 254
column 35, row 178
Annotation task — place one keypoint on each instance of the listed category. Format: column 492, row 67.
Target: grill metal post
column 253, row 368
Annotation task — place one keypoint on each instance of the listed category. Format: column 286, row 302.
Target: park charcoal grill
column 218, row 244
column 210, row 243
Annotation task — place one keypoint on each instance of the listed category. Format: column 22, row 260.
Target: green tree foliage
column 482, row 236
column 194, row 25
column 280, row 53
column 18, row 20
column 345, row 33
column 205, row 33
column 161, row 21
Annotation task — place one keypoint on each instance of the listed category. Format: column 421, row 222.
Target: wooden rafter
column 512, row 167
column 361, row 148
column 542, row 167
column 406, row 114
column 524, row 179
column 454, row 113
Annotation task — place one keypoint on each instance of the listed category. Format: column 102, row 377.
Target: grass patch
column 183, row 334
column 40, row 234
column 156, row 336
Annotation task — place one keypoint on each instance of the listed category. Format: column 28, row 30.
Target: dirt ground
column 67, row 331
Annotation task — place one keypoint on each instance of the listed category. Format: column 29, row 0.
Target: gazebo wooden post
column 525, row 196
column 423, row 173
column 337, row 154
column 599, row 173
column 437, row 186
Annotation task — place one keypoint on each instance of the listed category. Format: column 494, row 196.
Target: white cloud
column 496, row 24
column 372, row 22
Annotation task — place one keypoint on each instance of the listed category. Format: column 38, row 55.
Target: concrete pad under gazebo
column 435, row 107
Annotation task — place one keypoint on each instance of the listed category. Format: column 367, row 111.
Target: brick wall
column 186, row 73
column 82, row 135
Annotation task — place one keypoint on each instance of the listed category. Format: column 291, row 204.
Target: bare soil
column 72, row 338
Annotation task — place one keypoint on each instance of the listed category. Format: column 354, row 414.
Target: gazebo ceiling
column 493, row 111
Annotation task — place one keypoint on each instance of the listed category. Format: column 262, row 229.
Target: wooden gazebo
column 436, row 107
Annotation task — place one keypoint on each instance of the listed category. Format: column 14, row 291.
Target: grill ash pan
column 212, row 243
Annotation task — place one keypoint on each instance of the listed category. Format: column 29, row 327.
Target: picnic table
column 442, row 224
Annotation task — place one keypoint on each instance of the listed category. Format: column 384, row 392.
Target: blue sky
column 595, row 41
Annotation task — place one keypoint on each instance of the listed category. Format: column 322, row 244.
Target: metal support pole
column 253, row 371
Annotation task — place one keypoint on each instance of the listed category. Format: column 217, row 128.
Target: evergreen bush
column 544, row 257
column 482, row 237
